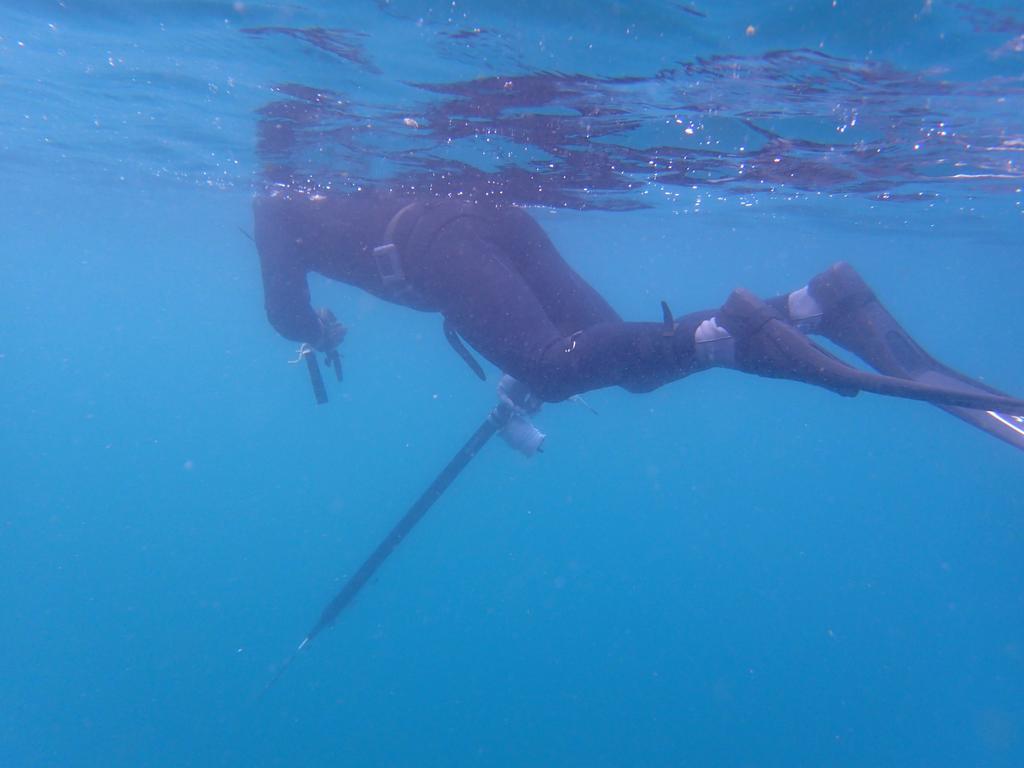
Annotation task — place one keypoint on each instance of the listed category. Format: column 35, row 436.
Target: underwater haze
column 729, row 571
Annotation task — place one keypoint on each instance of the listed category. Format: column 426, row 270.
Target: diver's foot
column 840, row 306
column 851, row 316
column 765, row 344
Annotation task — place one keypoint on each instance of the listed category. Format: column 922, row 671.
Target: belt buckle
column 389, row 265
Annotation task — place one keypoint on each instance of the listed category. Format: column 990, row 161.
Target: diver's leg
column 492, row 306
column 569, row 300
column 746, row 334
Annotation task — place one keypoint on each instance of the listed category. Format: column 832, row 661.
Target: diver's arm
column 286, row 298
column 285, row 287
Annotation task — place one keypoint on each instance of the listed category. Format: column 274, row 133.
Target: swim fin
column 767, row 345
column 853, row 318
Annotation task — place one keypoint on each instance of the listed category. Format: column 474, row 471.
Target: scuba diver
column 500, row 284
column 502, row 288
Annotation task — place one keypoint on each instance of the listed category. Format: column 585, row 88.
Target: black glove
column 332, row 333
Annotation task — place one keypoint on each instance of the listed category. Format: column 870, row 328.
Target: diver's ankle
column 714, row 346
column 721, row 340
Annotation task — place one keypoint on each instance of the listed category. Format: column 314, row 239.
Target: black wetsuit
column 502, row 286
column 491, row 272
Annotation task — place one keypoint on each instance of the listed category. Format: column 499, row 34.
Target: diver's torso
column 335, row 235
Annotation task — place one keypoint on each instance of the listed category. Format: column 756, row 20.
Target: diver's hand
column 332, row 333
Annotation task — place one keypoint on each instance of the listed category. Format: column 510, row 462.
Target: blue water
column 730, row 571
